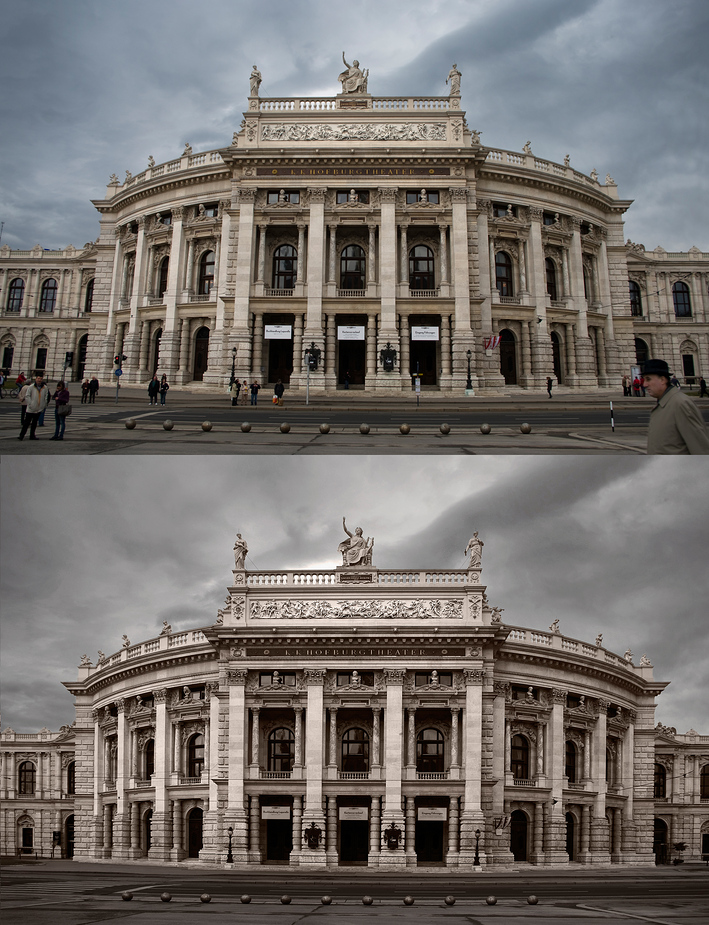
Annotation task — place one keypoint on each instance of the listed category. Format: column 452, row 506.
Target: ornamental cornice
column 126, row 671
column 603, row 672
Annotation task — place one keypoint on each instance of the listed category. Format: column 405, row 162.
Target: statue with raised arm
column 254, row 81
column 240, row 551
column 454, row 76
column 356, row 550
column 475, row 548
column 353, row 80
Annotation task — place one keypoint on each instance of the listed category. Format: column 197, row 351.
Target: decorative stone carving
column 454, row 77
column 237, row 676
column 240, row 551
column 496, row 615
column 211, row 687
column 354, row 79
column 358, row 609
column 160, row 695
column 558, row 695
column 166, row 629
column 355, row 550
column 554, row 628
column 254, row 81
column 475, row 548
column 502, row 687
column 85, row 662
column 473, row 675
column 394, row 676
column 189, row 729
column 527, row 147
column 361, row 131
column 314, row 676
column 645, row 662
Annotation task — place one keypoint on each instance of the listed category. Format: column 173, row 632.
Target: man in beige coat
column 676, row 426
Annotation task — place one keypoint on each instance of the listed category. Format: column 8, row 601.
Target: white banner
column 432, row 813
column 424, row 332
column 275, row 812
column 350, row 332
column 278, row 331
column 357, row 813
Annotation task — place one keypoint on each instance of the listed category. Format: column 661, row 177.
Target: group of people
column 89, row 390
column 157, row 387
column 251, row 389
column 34, row 399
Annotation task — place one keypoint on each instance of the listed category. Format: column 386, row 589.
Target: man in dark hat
column 676, row 426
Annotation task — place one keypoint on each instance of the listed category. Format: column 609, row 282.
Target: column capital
column 297, row 710
column 211, row 687
column 160, row 696
column 394, row 676
column 314, row 676
column 121, row 705
column 236, row 676
column 388, row 193
column 603, row 706
column 178, row 213
column 535, row 214
column 473, row 676
column 559, row 696
column 458, row 194
column 247, row 194
column 317, row 193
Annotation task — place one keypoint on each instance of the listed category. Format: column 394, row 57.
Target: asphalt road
column 66, row 893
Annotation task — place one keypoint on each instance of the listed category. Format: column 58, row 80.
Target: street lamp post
column 233, row 374
column 230, row 856
column 469, row 383
column 476, row 859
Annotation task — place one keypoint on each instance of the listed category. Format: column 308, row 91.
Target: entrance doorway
column 27, row 839
column 279, row 839
column 156, row 351
column 659, row 842
column 642, row 351
column 280, row 360
column 423, row 354
column 81, row 366
column 351, row 362
column 508, row 357
column 201, row 354
column 194, row 832
column 518, row 835
column 354, row 841
column 570, row 836
column 428, row 844
column 69, row 836
column 556, row 354
column 147, row 826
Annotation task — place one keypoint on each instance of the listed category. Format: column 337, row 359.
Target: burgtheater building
column 360, row 716
column 378, row 230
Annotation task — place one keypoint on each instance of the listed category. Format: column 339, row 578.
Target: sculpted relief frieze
column 342, row 610
column 353, row 131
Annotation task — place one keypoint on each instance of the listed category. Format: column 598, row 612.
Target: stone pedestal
column 160, row 837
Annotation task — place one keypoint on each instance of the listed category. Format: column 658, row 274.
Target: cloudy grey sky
column 96, row 548
column 92, row 87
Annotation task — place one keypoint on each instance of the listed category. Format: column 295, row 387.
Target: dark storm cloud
column 94, row 551
column 97, row 87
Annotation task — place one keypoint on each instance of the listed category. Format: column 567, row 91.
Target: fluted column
column 257, row 354
column 540, row 749
column 332, row 757
column 331, row 838
column 376, row 715
column 375, row 838
column 371, row 346
column 331, row 272
column 404, row 254
column 444, row 252
column 188, row 282
column 508, row 747
column 565, row 273
column 314, row 719
column 446, row 345
column 538, row 837
column 298, row 747
column 254, row 830
column 261, row 261
column 410, row 835
column 255, row 736
column 393, row 758
column 316, row 263
column 371, row 258
column 300, row 266
column 570, row 350
column 330, row 344
column 178, row 851
column 297, row 829
column 411, row 745
column 455, row 760
column 453, row 832
column 586, row 755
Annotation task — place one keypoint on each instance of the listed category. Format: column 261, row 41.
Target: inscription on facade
column 354, row 651
column 373, row 171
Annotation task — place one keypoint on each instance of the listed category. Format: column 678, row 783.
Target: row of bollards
column 284, row 428
column 327, row 900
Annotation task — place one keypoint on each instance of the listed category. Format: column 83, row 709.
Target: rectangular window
column 361, row 195
column 345, row 677
column 688, row 364
column 413, row 196
column 41, row 358
column 287, row 678
column 425, row 677
column 292, row 196
column 500, row 210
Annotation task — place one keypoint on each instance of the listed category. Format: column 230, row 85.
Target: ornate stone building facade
column 381, row 231
column 360, row 716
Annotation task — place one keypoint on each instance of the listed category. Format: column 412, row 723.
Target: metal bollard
column 168, row 424
column 449, row 900
column 205, row 898
column 485, row 428
column 206, row 425
column 165, row 897
column 525, row 428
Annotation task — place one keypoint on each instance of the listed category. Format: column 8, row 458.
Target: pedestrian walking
column 62, row 409
column 245, row 390
column 675, row 382
column 234, row 390
column 278, row 391
column 703, row 388
column 626, row 386
column 37, row 396
column 254, row 392
column 22, row 398
column 164, row 386
column 636, row 387
column 550, row 385
column 84, row 391
column 676, row 426
column 153, row 390
column 93, row 389
column 40, row 422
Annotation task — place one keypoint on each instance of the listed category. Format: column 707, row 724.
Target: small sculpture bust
column 151, row 160
column 126, row 641
column 423, row 196
column 158, row 219
column 240, row 551
column 582, row 702
column 356, row 678
column 475, row 548
column 434, row 682
column 282, row 196
column 276, row 678
column 254, row 81
column 454, row 77
column 529, row 696
column 510, row 211
column 186, row 694
column 201, row 211
column 354, row 196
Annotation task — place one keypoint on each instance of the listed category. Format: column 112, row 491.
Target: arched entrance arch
column 201, row 354
column 69, row 836
column 556, row 354
column 508, row 356
column 642, row 351
column 81, row 350
column 147, row 831
column 519, row 826
column 156, row 352
column 571, row 836
column 660, row 842
column 195, row 819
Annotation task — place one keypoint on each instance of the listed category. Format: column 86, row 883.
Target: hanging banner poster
column 350, row 332
column 424, row 332
column 432, row 813
column 356, row 813
column 278, row 331
column 275, row 812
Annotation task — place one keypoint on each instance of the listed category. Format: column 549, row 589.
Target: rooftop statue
column 240, row 550
column 454, row 76
column 356, row 550
column 254, row 81
column 353, row 80
column 475, row 548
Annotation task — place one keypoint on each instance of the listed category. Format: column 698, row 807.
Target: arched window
column 503, row 274
column 660, row 782
column 150, row 759
column 355, row 750
column 206, row 273
column 195, row 755
column 610, row 765
column 636, row 299
column 162, row 281
column 586, row 285
column 421, row 268
column 26, row 778
column 551, row 278
column 429, row 751
column 48, row 298
column 704, row 783
column 570, row 761
column 281, row 749
column 285, row 267
column 642, row 351
column 89, row 297
column 16, row 294
column 71, row 778
column 680, row 296
column 520, row 757
column 352, row 263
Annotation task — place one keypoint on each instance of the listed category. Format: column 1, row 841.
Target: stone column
column 585, row 373
column 257, row 352
column 297, row 829
column 455, row 759
column 570, row 353
column 444, row 253
column 445, row 345
column 387, row 267
column 254, row 853
column 121, row 834
column 599, row 827
column 542, row 358
column 298, row 746
column 316, row 266
column 330, row 350
column 411, row 743
column 493, row 270
column 566, row 292
column 298, row 344
column 261, row 263
column 235, row 815
column 586, row 756
column 376, row 719
column 538, row 836
column 331, row 837
column 508, row 747
column 135, row 851
column 240, row 336
column 405, row 336
column 410, row 834
column 540, row 750
column 472, row 816
column 527, row 376
column 188, row 281
column 107, row 830
column 375, row 838
column 159, row 842
column 255, row 736
column 314, row 718
column 144, row 350
column 371, row 347
column 332, row 271
column 183, row 370
column 371, row 257
column 178, row 849
column 616, row 855
column 404, row 255
column 556, row 851
column 177, row 747
column 332, row 758
column 453, row 825
column 393, row 759
column 523, row 268
column 169, row 342
column 585, row 834
column 300, row 266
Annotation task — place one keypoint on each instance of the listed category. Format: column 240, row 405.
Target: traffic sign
column 118, row 372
